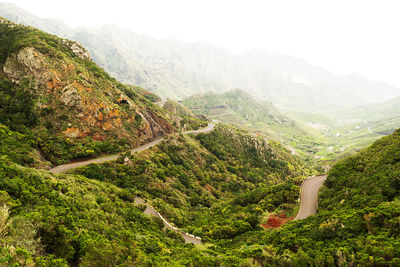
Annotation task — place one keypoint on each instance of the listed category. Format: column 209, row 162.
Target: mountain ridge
column 176, row 69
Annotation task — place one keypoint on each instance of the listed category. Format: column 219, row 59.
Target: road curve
column 189, row 238
column 309, row 196
column 65, row 167
column 207, row 129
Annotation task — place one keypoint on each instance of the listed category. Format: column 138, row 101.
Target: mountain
column 241, row 109
column 177, row 70
column 57, row 105
column 51, row 89
column 222, row 185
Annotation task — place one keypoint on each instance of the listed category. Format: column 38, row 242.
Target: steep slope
column 51, row 85
column 357, row 221
column 366, row 179
column 239, row 108
column 176, row 69
column 190, row 179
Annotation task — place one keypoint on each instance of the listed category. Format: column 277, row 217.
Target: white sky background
column 344, row 37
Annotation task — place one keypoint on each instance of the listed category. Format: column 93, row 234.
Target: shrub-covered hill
column 51, row 88
column 214, row 185
column 55, row 220
column 358, row 218
column 366, row 179
column 60, row 220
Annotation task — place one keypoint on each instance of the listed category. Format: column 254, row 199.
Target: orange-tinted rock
column 84, row 134
column 114, row 113
column 107, row 126
column 80, row 86
column 117, row 121
column 72, row 132
column 100, row 116
column 90, row 121
column 69, row 67
column 99, row 137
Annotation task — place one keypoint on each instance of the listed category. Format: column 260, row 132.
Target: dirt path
column 309, row 196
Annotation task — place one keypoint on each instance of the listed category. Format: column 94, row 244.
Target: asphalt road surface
column 151, row 211
column 65, row 167
column 189, row 238
column 309, row 196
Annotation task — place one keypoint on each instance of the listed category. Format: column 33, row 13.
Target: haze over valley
column 159, row 147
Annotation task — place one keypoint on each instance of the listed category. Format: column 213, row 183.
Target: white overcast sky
column 344, row 37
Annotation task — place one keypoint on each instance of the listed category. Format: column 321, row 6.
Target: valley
column 131, row 150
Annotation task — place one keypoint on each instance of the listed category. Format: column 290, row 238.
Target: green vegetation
column 60, row 150
column 68, row 219
column 18, row 147
column 139, row 90
column 366, row 179
column 238, row 108
column 221, row 186
column 58, row 220
column 199, row 183
column 182, row 117
column 358, row 218
column 357, row 222
column 177, row 108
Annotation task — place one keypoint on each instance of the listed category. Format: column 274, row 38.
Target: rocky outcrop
column 27, row 62
column 70, row 96
column 78, row 49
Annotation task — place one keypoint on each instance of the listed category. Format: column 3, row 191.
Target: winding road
column 65, row 167
column 189, row 238
column 309, row 196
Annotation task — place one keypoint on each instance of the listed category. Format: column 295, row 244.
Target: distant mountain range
column 177, row 70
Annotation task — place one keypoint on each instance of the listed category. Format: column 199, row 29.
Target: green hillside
column 238, row 108
column 58, row 106
column 198, row 183
column 359, row 211
column 224, row 185
column 191, row 179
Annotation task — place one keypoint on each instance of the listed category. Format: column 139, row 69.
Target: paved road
column 309, row 196
column 65, row 167
column 207, row 129
column 151, row 211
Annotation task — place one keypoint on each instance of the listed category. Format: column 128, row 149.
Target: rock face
column 78, row 49
column 79, row 98
column 27, row 62
column 70, row 96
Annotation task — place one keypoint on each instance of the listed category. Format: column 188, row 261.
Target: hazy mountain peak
column 177, row 69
